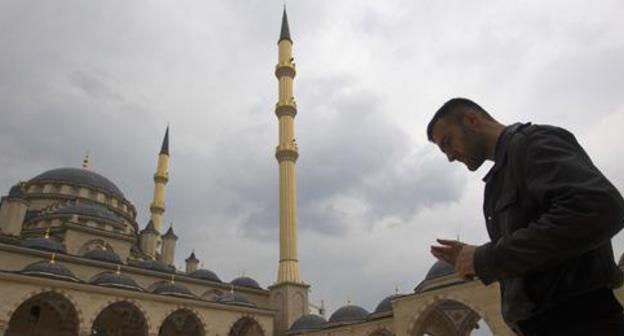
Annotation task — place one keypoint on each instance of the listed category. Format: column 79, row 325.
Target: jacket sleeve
column 583, row 210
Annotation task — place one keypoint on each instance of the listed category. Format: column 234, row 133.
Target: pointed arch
column 47, row 312
column 123, row 318
column 182, row 321
column 246, row 326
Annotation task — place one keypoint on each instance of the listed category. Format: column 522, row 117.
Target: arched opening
column 94, row 244
column 450, row 318
column 47, row 313
column 182, row 322
column 246, row 327
column 120, row 319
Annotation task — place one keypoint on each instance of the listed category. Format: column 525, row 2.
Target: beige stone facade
column 74, row 262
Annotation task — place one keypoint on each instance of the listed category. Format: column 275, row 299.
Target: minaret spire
column 164, row 149
column 286, row 154
column 157, row 208
column 285, row 31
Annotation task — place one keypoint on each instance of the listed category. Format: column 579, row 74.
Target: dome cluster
column 69, row 192
column 344, row 315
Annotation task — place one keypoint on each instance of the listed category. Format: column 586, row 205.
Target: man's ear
column 472, row 119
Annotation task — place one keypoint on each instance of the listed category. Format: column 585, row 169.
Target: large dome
column 79, row 176
column 439, row 269
column 349, row 313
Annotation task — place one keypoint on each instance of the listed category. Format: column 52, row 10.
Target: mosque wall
column 75, row 241
column 89, row 301
column 15, row 259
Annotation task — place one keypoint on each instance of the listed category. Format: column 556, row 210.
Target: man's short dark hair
column 454, row 110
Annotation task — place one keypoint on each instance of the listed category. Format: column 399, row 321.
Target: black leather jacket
column 550, row 215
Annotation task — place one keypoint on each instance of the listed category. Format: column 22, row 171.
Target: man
column 550, row 215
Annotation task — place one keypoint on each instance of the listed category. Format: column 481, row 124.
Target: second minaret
column 157, row 208
column 286, row 154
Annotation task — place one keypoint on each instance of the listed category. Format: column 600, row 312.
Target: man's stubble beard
column 475, row 149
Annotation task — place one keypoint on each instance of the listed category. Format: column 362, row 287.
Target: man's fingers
column 444, row 249
column 448, row 242
column 443, row 256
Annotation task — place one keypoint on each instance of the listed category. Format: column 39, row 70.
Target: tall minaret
column 287, row 154
column 157, row 208
column 289, row 296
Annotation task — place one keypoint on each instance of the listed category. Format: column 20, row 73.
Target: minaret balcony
column 286, row 109
column 285, row 69
column 161, row 178
column 158, row 208
column 286, row 152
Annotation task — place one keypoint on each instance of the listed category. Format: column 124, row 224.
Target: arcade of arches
column 52, row 313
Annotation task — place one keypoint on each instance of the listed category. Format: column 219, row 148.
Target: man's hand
column 458, row 254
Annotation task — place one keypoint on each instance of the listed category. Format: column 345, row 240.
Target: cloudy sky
column 107, row 77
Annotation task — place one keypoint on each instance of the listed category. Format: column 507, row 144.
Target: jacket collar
column 500, row 154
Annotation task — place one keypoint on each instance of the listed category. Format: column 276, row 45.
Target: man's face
column 460, row 142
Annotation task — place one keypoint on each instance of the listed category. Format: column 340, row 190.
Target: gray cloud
column 108, row 76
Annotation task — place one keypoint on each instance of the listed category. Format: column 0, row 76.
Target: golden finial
column 85, row 161
column 52, row 257
column 118, row 271
column 47, row 234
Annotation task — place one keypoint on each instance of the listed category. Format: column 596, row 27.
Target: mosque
column 74, row 261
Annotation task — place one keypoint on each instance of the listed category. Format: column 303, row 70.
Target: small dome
column 78, row 176
column 246, row 282
column 308, row 322
column 173, row 289
column 113, row 279
column 235, row 299
column 17, row 192
column 49, row 269
column 439, row 269
column 91, row 210
column 103, row 255
column 349, row 313
column 205, row 274
column 45, row 244
column 386, row 304
column 156, row 266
